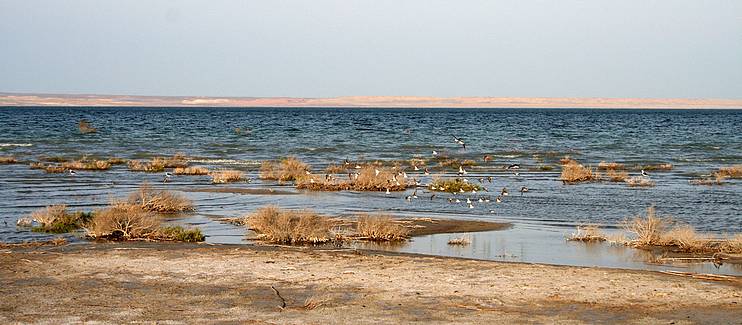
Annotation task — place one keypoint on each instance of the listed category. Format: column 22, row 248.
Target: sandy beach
column 190, row 283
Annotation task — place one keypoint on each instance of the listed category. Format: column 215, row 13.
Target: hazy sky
column 559, row 48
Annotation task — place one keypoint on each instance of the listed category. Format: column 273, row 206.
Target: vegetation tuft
column 289, row 226
column 453, row 185
column 381, row 228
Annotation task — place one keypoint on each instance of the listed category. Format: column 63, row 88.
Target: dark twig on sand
column 283, row 301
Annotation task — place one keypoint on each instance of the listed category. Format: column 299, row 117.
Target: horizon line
column 8, row 99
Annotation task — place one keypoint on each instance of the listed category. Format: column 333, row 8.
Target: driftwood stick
column 283, row 301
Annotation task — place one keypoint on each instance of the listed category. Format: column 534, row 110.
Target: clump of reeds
column 84, row 164
column 460, row 241
column 372, row 178
column 226, row 176
column 640, row 181
column 85, row 127
column 191, row 171
column 335, row 169
column 8, row 160
column 178, row 233
column 54, row 169
column 732, row 245
column 177, row 160
column 610, row 166
column 122, row 220
column 288, row 169
column 453, row 185
column 154, row 166
column 566, row 160
column 648, row 229
column 37, row 165
column 457, row 163
column 588, row 233
column 656, row 167
column 289, row 226
column 380, row 228
column 117, row 161
column 55, row 219
column 160, row 201
column 616, row 175
column 730, row 171
column 574, row 172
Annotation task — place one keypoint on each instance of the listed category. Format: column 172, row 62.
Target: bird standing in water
column 523, row 190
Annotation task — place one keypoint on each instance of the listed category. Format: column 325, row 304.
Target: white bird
column 471, row 206
column 458, row 201
column 404, row 174
column 435, row 153
column 644, row 173
column 377, row 172
column 415, row 168
column 498, row 199
column 462, row 171
column 72, row 172
column 387, row 191
column 358, row 166
column 468, row 200
column 427, row 172
column 308, row 172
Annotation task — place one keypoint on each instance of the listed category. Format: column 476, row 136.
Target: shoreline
column 234, row 283
column 8, row 99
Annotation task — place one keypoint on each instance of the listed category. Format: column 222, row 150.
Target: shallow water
column 696, row 142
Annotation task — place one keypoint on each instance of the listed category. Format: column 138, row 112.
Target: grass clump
column 178, row 233
column 617, row 175
column 639, row 181
column 191, row 171
column 37, row 165
column 8, row 160
column 117, row 161
column 368, row 178
column 457, row 163
column 226, row 176
column 85, row 127
column 56, row 219
column 588, row 233
column 287, row 170
column 289, row 226
column 380, row 228
column 730, row 171
column 453, row 185
column 84, row 164
column 154, row 166
column 460, row 241
column 122, row 220
column 160, row 201
column 574, row 172
column 336, row 169
column 647, row 230
column 610, row 166
column 54, row 169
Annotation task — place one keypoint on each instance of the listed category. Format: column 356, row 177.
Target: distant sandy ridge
column 20, row 99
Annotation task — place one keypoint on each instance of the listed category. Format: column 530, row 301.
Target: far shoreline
column 363, row 102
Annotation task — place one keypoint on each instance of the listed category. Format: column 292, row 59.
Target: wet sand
column 160, row 282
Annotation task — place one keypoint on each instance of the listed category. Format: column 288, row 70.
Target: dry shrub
column 452, row 185
column 366, row 179
column 37, row 165
column 122, row 220
column 117, row 161
column 685, row 238
column 573, row 172
column 155, row 166
column 639, row 181
column 85, row 164
column 610, row 166
column 335, row 169
column 456, row 163
column 191, row 171
column 732, row 245
column 289, row 226
column 8, row 160
column 616, row 175
column 176, row 161
column 288, row 169
column 460, row 241
column 566, row 160
column 54, row 169
column 56, row 219
column 731, row 171
column 226, row 176
column 647, row 230
column 85, row 127
column 160, row 201
column 655, row 167
column 588, row 233
column 380, row 228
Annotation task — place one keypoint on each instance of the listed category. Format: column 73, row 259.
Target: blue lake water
column 695, row 142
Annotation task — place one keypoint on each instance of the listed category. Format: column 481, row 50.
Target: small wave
column 16, row 144
column 225, row 161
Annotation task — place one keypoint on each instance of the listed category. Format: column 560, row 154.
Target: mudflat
column 198, row 283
